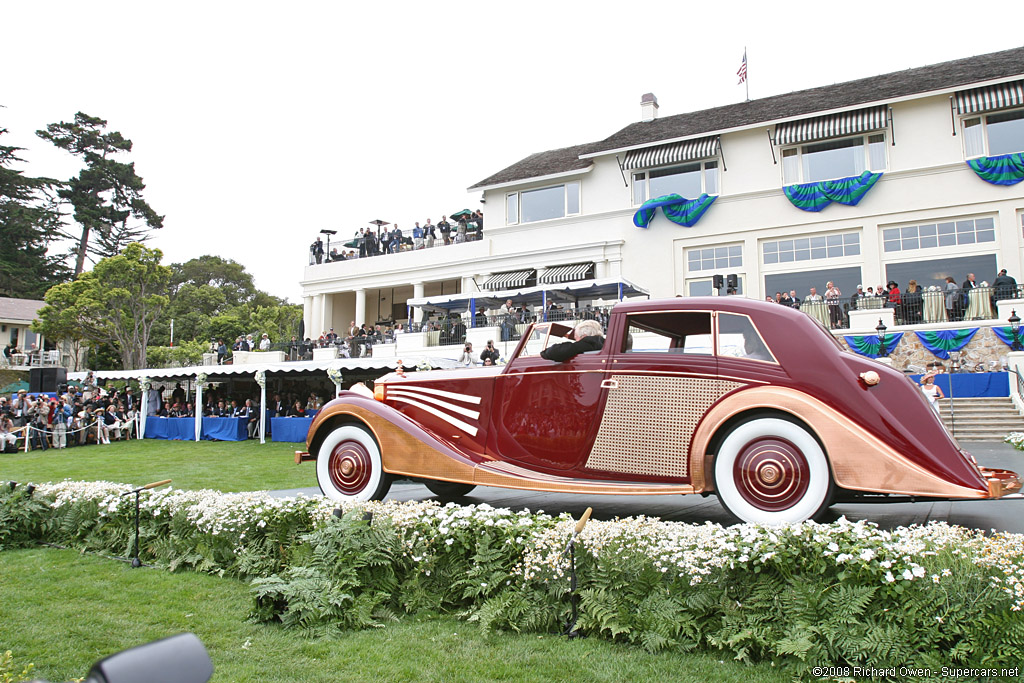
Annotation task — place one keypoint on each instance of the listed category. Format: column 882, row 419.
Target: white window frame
column 797, row 152
column 788, row 265
column 982, row 118
column 515, row 199
column 643, row 176
column 730, row 264
column 970, row 247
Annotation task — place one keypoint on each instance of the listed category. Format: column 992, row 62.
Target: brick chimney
column 648, row 107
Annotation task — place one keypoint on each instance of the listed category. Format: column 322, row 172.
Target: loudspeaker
column 46, row 380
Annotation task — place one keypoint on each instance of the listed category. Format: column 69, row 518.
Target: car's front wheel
column 349, row 468
column 772, row 471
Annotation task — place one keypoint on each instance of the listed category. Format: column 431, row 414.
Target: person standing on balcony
column 832, row 294
column 429, row 233
column 417, row 237
column 1004, row 287
column 446, row 230
column 952, row 298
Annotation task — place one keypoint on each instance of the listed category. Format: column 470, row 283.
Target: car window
column 686, row 332
column 738, row 338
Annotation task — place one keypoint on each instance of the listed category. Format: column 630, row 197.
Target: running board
column 509, row 476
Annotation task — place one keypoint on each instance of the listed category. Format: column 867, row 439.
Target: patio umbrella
column 465, row 213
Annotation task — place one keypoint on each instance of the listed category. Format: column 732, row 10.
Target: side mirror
column 178, row 659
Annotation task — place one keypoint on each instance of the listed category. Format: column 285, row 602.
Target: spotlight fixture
column 13, row 485
column 30, row 489
column 368, row 517
column 338, row 513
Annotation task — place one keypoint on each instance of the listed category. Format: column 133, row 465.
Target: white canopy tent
column 333, row 368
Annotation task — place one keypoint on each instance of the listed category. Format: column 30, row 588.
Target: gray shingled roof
column 19, row 309
column 542, row 164
column 960, row 72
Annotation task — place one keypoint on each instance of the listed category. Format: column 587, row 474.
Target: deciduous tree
column 118, row 302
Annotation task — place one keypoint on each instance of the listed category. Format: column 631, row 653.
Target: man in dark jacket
column 588, row 335
column 1004, row 286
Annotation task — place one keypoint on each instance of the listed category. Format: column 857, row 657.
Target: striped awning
column 570, row 273
column 990, row 98
column 677, row 152
column 517, row 278
column 831, row 126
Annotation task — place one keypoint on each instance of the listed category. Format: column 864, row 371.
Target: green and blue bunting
column 867, row 344
column 1005, row 335
column 679, row 210
column 1006, row 169
column 941, row 342
column 816, row 196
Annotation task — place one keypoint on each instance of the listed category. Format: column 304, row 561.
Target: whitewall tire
column 772, row 471
column 349, row 468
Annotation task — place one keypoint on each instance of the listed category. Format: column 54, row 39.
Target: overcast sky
column 256, row 125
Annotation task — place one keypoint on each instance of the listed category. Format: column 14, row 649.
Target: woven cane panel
column 648, row 422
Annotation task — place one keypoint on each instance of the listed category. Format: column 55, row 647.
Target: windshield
column 542, row 335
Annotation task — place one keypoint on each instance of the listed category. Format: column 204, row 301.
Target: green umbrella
column 465, row 213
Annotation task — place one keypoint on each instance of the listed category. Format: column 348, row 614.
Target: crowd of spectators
column 75, row 417
column 391, row 239
column 908, row 303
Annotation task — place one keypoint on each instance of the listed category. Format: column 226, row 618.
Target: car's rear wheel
column 447, row 490
column 772, row 471
column 349, row 468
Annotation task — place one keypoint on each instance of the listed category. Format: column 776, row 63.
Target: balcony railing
column 915, row 308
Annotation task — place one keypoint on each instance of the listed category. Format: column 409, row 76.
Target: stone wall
column 984, row 347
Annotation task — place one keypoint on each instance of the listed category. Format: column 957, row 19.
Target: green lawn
column 62, row 611
column 221, row 465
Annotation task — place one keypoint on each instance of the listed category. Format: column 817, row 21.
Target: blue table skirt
column 973, row 384
column 225, row 428
column 292, row 429
column 170, row 428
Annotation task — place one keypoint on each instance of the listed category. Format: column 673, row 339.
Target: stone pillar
column 360, row 306
column 313, row 329
column 417, row 293
column 307, row 316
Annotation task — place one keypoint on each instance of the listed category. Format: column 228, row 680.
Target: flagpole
column 746, row 80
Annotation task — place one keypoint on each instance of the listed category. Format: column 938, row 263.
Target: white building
column 569, row 213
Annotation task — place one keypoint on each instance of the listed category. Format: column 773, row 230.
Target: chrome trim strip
column 468, row 428
column 475, row 414
column 465, row 398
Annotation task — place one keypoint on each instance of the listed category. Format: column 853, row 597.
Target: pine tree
column 29, row 222
column 107, row 193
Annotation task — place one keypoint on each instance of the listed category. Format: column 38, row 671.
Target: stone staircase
column 982, row 419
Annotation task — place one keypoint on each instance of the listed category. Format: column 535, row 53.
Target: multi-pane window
column 811, row 248
column 945, row 234
column 994, row 134
column 714, row 258
column 833, row 159
column 542, row 204
column 688, row 181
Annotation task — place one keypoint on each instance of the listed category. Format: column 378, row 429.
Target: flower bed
column 806, row 595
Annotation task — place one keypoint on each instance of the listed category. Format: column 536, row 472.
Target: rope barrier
column 26, row 430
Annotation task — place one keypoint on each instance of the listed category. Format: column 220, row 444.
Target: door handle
column 610, row 384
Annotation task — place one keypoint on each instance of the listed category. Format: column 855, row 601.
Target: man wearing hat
column 20, row 408
column 856, row 296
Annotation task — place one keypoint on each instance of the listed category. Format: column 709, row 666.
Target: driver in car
column 589, row 336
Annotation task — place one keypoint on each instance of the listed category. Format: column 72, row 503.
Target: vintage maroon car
column 753, row 401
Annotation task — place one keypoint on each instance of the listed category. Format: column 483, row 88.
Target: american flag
column 742, row 73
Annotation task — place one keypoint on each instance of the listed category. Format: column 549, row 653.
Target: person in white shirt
column 265, row 342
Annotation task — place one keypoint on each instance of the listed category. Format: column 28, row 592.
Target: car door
column 661, row 380
column 546, row 414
